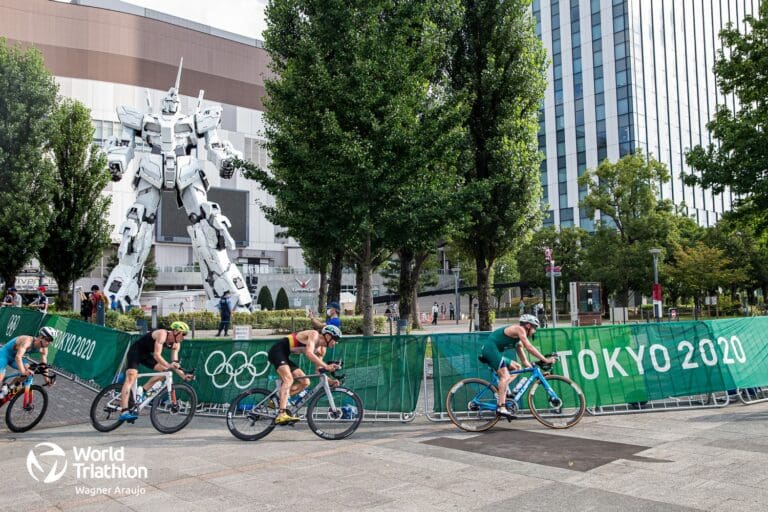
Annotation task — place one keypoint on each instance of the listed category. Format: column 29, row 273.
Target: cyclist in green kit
column 501, row 339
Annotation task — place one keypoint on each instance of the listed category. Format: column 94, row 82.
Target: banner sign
column 620, row 364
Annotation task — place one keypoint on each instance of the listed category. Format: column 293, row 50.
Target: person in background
column 442, row 311
column 451, row 311
column 522, row 306
column 41, row 302
column 225, row 310
column 332, row 316
column 113, row 303
column 12, row 298
column 99, row 305
column 435, row 311
column 86, row 306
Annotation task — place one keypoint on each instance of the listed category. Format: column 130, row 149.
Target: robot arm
column 120, row 150
column 220, row 153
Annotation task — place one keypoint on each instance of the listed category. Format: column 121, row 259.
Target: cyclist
column 516, row 336
column 312, row 345
column 14, row 351
column 148, row 351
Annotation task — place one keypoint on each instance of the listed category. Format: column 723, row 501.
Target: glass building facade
column 628, row 74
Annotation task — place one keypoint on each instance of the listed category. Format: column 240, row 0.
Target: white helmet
column 530, row 319
column 47, row 332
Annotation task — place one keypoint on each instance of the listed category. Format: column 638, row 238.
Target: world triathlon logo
column 46, row 462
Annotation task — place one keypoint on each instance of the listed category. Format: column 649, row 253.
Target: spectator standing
column 451, row 311
column 99, row 305
column 442, row 311
column 113, row 304
column 435, row 312
column 41, row 301
column 331, row 314
column 86, row 306
column 522, row 306
column 225, row 310
column 12, row 298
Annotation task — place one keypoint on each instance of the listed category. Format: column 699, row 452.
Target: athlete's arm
column 21, row 349
column 160, row 336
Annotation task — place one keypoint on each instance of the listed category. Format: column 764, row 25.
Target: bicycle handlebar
column 545, row 367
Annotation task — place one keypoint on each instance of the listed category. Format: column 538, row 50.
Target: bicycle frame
column 323, row 384
column 26, row 383
column 148, row 399
column 536, row 375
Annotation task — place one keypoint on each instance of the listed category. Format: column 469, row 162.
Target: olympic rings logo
column 231, row 369
column 13, row 323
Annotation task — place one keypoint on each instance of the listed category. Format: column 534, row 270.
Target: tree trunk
column 483, row 292
column 365, row 295
column 406, row 287
column 418, row 263
column 322, row 295
column 9, row 280
column 334, row 284
column 358, row 286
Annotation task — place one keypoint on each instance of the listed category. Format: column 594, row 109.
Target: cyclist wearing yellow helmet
column 148, row 351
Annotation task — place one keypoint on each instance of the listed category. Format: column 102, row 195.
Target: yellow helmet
column 180, row 326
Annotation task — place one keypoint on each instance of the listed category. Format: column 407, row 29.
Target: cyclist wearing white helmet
column 498, row 341
column 13, row 352
column 313, row 345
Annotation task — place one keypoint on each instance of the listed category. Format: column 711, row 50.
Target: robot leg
column 127, row 278
column 210, row 241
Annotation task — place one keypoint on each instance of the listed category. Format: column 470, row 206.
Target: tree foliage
column 700, row 270
column 27, row 100
column 497, row 71
column 79, row 228
column 265, row 299
column 737, row 157
column 281, row 302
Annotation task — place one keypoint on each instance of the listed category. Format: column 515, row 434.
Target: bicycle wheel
column 170, row 413
column 335, row 423
column 471, row 405
column 562, row 411
column 20, row 418
column 252, row 414
column 105, row 409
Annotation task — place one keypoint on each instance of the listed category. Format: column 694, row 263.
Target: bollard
column 193, row 327
column 154, row 317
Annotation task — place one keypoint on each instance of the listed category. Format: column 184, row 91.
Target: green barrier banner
column 630, row 363
column 386, row 372
column 19, row 321
column 91, row 352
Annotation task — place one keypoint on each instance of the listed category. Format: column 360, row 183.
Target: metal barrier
column 704, row 401
column 749, row 396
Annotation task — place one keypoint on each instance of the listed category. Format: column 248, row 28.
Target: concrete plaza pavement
column 704, row 459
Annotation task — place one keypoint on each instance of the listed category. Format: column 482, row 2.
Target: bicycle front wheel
column 20, row 418
column 105, row 409
column 335, row 422
column 564, row 409
column 471, row 405
column 172, row 412
column 252, row 414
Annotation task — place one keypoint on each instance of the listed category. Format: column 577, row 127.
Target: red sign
column 549, row 268
column 656, row 292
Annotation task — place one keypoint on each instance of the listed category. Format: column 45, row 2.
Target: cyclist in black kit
column 312, row 345
column 148, row 351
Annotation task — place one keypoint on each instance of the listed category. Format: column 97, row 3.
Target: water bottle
column 155, row 388
column 348, row 412
column 4, row 391
column 295, row 399
column 520, row 383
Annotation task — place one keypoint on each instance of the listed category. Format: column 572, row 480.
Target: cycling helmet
column 180, row 326
column 530, row 319
column 334, row 331
column 47, row 332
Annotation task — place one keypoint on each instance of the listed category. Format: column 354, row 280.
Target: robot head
column 171, row 101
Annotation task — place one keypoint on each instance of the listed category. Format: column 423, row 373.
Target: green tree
column 79, row 229
column 633, row 221
column 736, row 158
column 701, row 270
column 566, row 245
column 497, row 71
column 343, row 113
column 281, row 302
column 27, row 100
column 265, row 299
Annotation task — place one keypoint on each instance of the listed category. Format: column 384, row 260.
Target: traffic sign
column 548, row 269
column 557, row 274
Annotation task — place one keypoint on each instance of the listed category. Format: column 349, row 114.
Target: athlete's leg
column 284, row 371
column 298, row 384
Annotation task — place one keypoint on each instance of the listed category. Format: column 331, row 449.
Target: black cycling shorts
column 280, row 354
column 136, row 357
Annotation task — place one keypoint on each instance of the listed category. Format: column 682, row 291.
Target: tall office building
column 629, row 74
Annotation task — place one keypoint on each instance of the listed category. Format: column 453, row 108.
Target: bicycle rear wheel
column 20, row 418
column 562, row 411
column 335, row 423
column 252, row 414
column 172, row 412
column 471, row 405
column 105, row 409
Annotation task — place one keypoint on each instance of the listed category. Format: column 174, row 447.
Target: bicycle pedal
column 131, row 421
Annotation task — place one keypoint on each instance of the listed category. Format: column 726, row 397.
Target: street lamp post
column 551, row 260
column 656, row 309
column 456, row 271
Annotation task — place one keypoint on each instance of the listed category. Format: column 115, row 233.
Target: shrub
column 125, row 323
column 282, row 300
column 265, row 299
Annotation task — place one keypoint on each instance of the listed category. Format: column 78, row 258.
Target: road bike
column 555, row 401
column 27, row 402
column 172, row 405
column 332, row 412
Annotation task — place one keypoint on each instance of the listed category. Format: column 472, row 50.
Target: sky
column 244, row 17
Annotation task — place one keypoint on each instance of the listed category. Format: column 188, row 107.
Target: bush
column 281, row 303
column 265, row 299
column 136, row 313
column 125, row 323
column 69, row 314
column 349, row 324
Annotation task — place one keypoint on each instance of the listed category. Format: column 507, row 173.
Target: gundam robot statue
column 173, row 164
